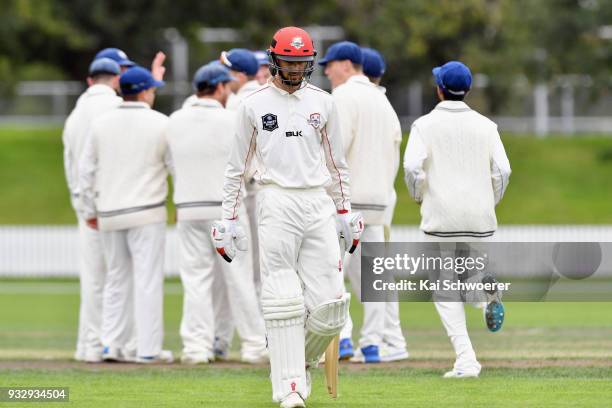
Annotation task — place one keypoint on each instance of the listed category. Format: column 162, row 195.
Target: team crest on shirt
column 297, row 43
column 315, row 120
column 269, row 122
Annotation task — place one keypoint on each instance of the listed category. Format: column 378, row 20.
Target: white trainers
column 79, row 355
column 292, row 400
column 357, row 356
column 460, row 374
column 256, row 358
column 93, row 357
column 112, row 354
column 388, row 354
column 196, row 359
column 164, row 357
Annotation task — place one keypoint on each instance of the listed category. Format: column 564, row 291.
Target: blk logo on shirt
column 269, row 122
column 293, row 133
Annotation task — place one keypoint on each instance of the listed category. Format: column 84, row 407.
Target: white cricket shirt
column 296, row 138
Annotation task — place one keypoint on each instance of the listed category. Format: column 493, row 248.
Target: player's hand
column 228, row 237
column 92, row 223
column 157, row 66
column 349, row 225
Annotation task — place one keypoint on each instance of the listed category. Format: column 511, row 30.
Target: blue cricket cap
column 104, row 66
column 116, row 55
column 211, row 74
column 343, row 50
column 373, row 63
column 262, row 57
column 241, row 60
column 136, row 80
column 453, row 77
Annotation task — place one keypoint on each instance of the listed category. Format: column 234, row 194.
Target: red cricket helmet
column 292, row 44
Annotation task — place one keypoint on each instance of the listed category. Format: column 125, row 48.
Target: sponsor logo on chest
column 269, row 122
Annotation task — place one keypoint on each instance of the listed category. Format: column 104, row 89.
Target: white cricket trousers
column 199, row 266
column 452, row 314
column 92, row 273
column 301, row 269
column 381, row 323
column 134, row 254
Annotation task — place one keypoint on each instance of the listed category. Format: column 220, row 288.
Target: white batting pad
column 322, row 324
column 285, row 333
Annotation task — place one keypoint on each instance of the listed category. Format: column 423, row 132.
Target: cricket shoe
column 79, row 355
column 494, row 312
column 196, row 359
column 164, row 357
column 389, row 353
column 93, row 356
column 113, row 355
column 370, row 354
column 494, row 315
column 292, row 400
column 345, row 349
column 460, row 374
column 221, row 349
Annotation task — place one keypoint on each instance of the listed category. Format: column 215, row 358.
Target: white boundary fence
column 52, row 251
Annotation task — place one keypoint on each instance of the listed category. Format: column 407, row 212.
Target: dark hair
column 205, row 90
column 130, row 97
column 357, row 67
column 451, row 97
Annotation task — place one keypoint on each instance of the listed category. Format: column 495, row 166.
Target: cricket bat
column 331, row 367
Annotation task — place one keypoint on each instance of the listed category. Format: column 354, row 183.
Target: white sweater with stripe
column 371, row 135
column 200, row 138
column 124, row 168
column 456, row 167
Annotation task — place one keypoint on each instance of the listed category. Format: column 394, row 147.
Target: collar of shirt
column 360, row 79
column 453, row 106
column 134, row 104
column 99, row 89
column 249, row 87
column 298, row 94
column 207, row 103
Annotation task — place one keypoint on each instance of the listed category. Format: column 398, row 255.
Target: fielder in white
column 293, row 129
column 372, row 135
column 263, row 74
column 123, row 174
column 200, row 137
column 100, row 97
column 243, row 67
column 457, row 170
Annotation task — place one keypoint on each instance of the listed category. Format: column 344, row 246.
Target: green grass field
column 547, row 355
column 554, row 181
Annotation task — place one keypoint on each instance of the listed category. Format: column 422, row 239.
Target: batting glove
column 228, row 237
column 349, row 226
